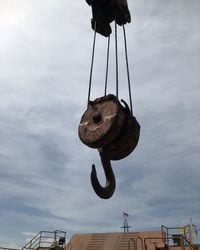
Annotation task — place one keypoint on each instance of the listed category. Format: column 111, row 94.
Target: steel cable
column 92, row 63
column 116, row 58
column 127, row 67
column 107, row 65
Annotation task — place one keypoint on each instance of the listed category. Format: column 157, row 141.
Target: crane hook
column 107, row 191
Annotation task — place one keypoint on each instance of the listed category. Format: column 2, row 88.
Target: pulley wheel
column 101, row 122
column 126, row 141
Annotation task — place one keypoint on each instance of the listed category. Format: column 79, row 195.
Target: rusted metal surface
column 110, row 127
column 126, row 140
column 101, row 122
column 107, row 191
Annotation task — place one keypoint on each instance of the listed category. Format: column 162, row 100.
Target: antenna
column 125, row 223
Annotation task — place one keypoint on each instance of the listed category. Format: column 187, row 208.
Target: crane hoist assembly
column 108, row 123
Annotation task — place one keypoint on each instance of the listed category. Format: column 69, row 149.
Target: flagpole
column 125, row 223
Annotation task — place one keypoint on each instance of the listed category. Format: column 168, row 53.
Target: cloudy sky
column 45, row 54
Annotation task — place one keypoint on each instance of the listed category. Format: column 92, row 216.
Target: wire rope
column 127, row 67
column 107, row 65
column 92, row 63
column 116, row 58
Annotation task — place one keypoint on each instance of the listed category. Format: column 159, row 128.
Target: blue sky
column 45, row 53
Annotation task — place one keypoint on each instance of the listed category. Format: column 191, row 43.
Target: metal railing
column 8, row 248
column 180, row 238
column 167, row 240
column 170, row 233
column 135, row 243
column 46, row 239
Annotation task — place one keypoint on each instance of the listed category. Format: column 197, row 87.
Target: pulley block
column 107, row 125
column 127, row 139
column 101, row 122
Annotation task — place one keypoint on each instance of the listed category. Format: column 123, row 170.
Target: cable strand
column 116, row 58
column 127, row 67
column 91, row 68
column 107, row 65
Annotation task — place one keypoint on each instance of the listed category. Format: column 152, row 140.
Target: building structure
column 163, row 239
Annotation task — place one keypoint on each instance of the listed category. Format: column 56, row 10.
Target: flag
column 125, row 214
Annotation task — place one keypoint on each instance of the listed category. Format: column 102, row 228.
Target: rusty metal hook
column 107, row 191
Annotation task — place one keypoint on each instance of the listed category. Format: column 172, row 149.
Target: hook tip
column 107, row 191
column 93, row 170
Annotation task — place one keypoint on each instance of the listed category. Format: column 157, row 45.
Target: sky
column 45, row 56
